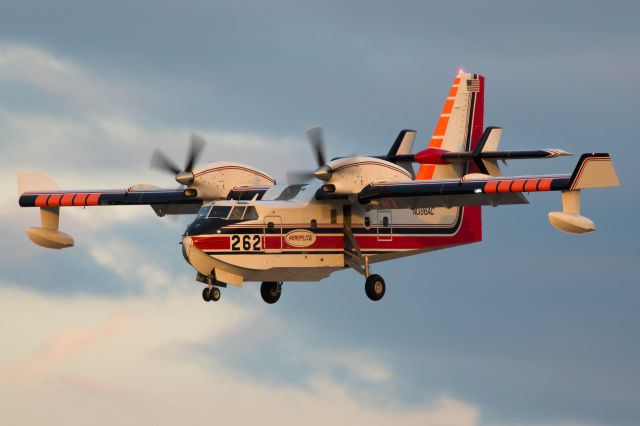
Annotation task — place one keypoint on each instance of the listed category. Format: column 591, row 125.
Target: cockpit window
column 203, row 211
column 220, row 211
column 237, row 213
column 250, row 214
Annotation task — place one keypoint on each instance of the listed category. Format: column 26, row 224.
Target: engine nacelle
column 215, row 180
column 350, row 175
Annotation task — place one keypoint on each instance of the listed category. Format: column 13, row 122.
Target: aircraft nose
column 187, row 242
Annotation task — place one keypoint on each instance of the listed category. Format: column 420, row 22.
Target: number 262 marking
column 245, row 242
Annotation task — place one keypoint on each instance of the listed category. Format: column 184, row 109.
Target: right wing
column 592, row 171
column 164, row 201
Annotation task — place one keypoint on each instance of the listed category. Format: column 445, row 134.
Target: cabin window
column 220, row 212
column 334, row 216
column 385, row 221
column 237, row 213
column 367, row 222
column 250, row 214
column 270, row 227
column 204, row 210
column 314, row 225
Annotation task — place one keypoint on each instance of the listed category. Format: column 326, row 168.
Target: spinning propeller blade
column 299, row 176
column 316, row 139
column 195, row 149
column 317, row 144
column 160, row 161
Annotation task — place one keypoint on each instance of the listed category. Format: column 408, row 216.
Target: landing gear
column 211, row 294
column 375, row 287
column 271, row 291
column 206, row 295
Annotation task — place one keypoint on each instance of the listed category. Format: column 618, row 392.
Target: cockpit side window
column 203, row 211
column 250, row 214
column 237, row 213
column 219, row 211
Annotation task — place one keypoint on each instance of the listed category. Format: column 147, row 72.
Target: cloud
column 124, row 358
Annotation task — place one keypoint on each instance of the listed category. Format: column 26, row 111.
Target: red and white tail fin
column 459, row 127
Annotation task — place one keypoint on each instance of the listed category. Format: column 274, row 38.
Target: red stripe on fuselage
column 470, row 231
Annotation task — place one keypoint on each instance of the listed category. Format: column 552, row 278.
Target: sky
column 531, row 327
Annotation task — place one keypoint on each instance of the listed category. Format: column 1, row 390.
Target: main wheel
column 215, row 294
column 271, row 291
column 206, row 295
column 375, row 287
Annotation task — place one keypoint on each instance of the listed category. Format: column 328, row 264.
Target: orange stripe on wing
column 518, row 185
column 41, row 200
column 92, row 199
column 80, row 200
column 54, row 200
column 531, row 185
column 504, row 185
column 491, row 187
column 67, row 200
column 545, row 184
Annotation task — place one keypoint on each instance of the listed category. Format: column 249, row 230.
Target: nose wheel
column 271, row 291
column 375, row 287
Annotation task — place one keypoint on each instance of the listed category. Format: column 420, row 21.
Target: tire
column 206, row 296
column 215, row 294
column 375, row 287
column 270, row 291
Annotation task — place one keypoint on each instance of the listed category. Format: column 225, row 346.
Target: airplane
column 348, row 213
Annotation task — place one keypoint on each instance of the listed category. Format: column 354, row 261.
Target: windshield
column 203, row 211
column 220, row 212
column 250, row 214
column 237, row 213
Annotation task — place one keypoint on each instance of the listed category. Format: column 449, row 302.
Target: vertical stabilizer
column 459, row 127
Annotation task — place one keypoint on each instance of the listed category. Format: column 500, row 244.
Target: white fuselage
column 288, row 235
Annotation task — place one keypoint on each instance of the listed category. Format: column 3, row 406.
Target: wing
column 163, row 201
column 592, row 171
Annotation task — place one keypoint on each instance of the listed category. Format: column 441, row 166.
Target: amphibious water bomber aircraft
column 349, row 213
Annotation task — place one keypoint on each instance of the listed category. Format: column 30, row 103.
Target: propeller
column 323, row 172
column 160, row 161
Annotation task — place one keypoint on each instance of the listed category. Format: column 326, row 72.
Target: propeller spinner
column 160, row 161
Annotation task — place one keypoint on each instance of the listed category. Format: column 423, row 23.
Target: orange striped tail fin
column 459, row 127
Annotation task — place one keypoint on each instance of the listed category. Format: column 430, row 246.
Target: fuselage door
column 272, row 240
column 385, row 231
